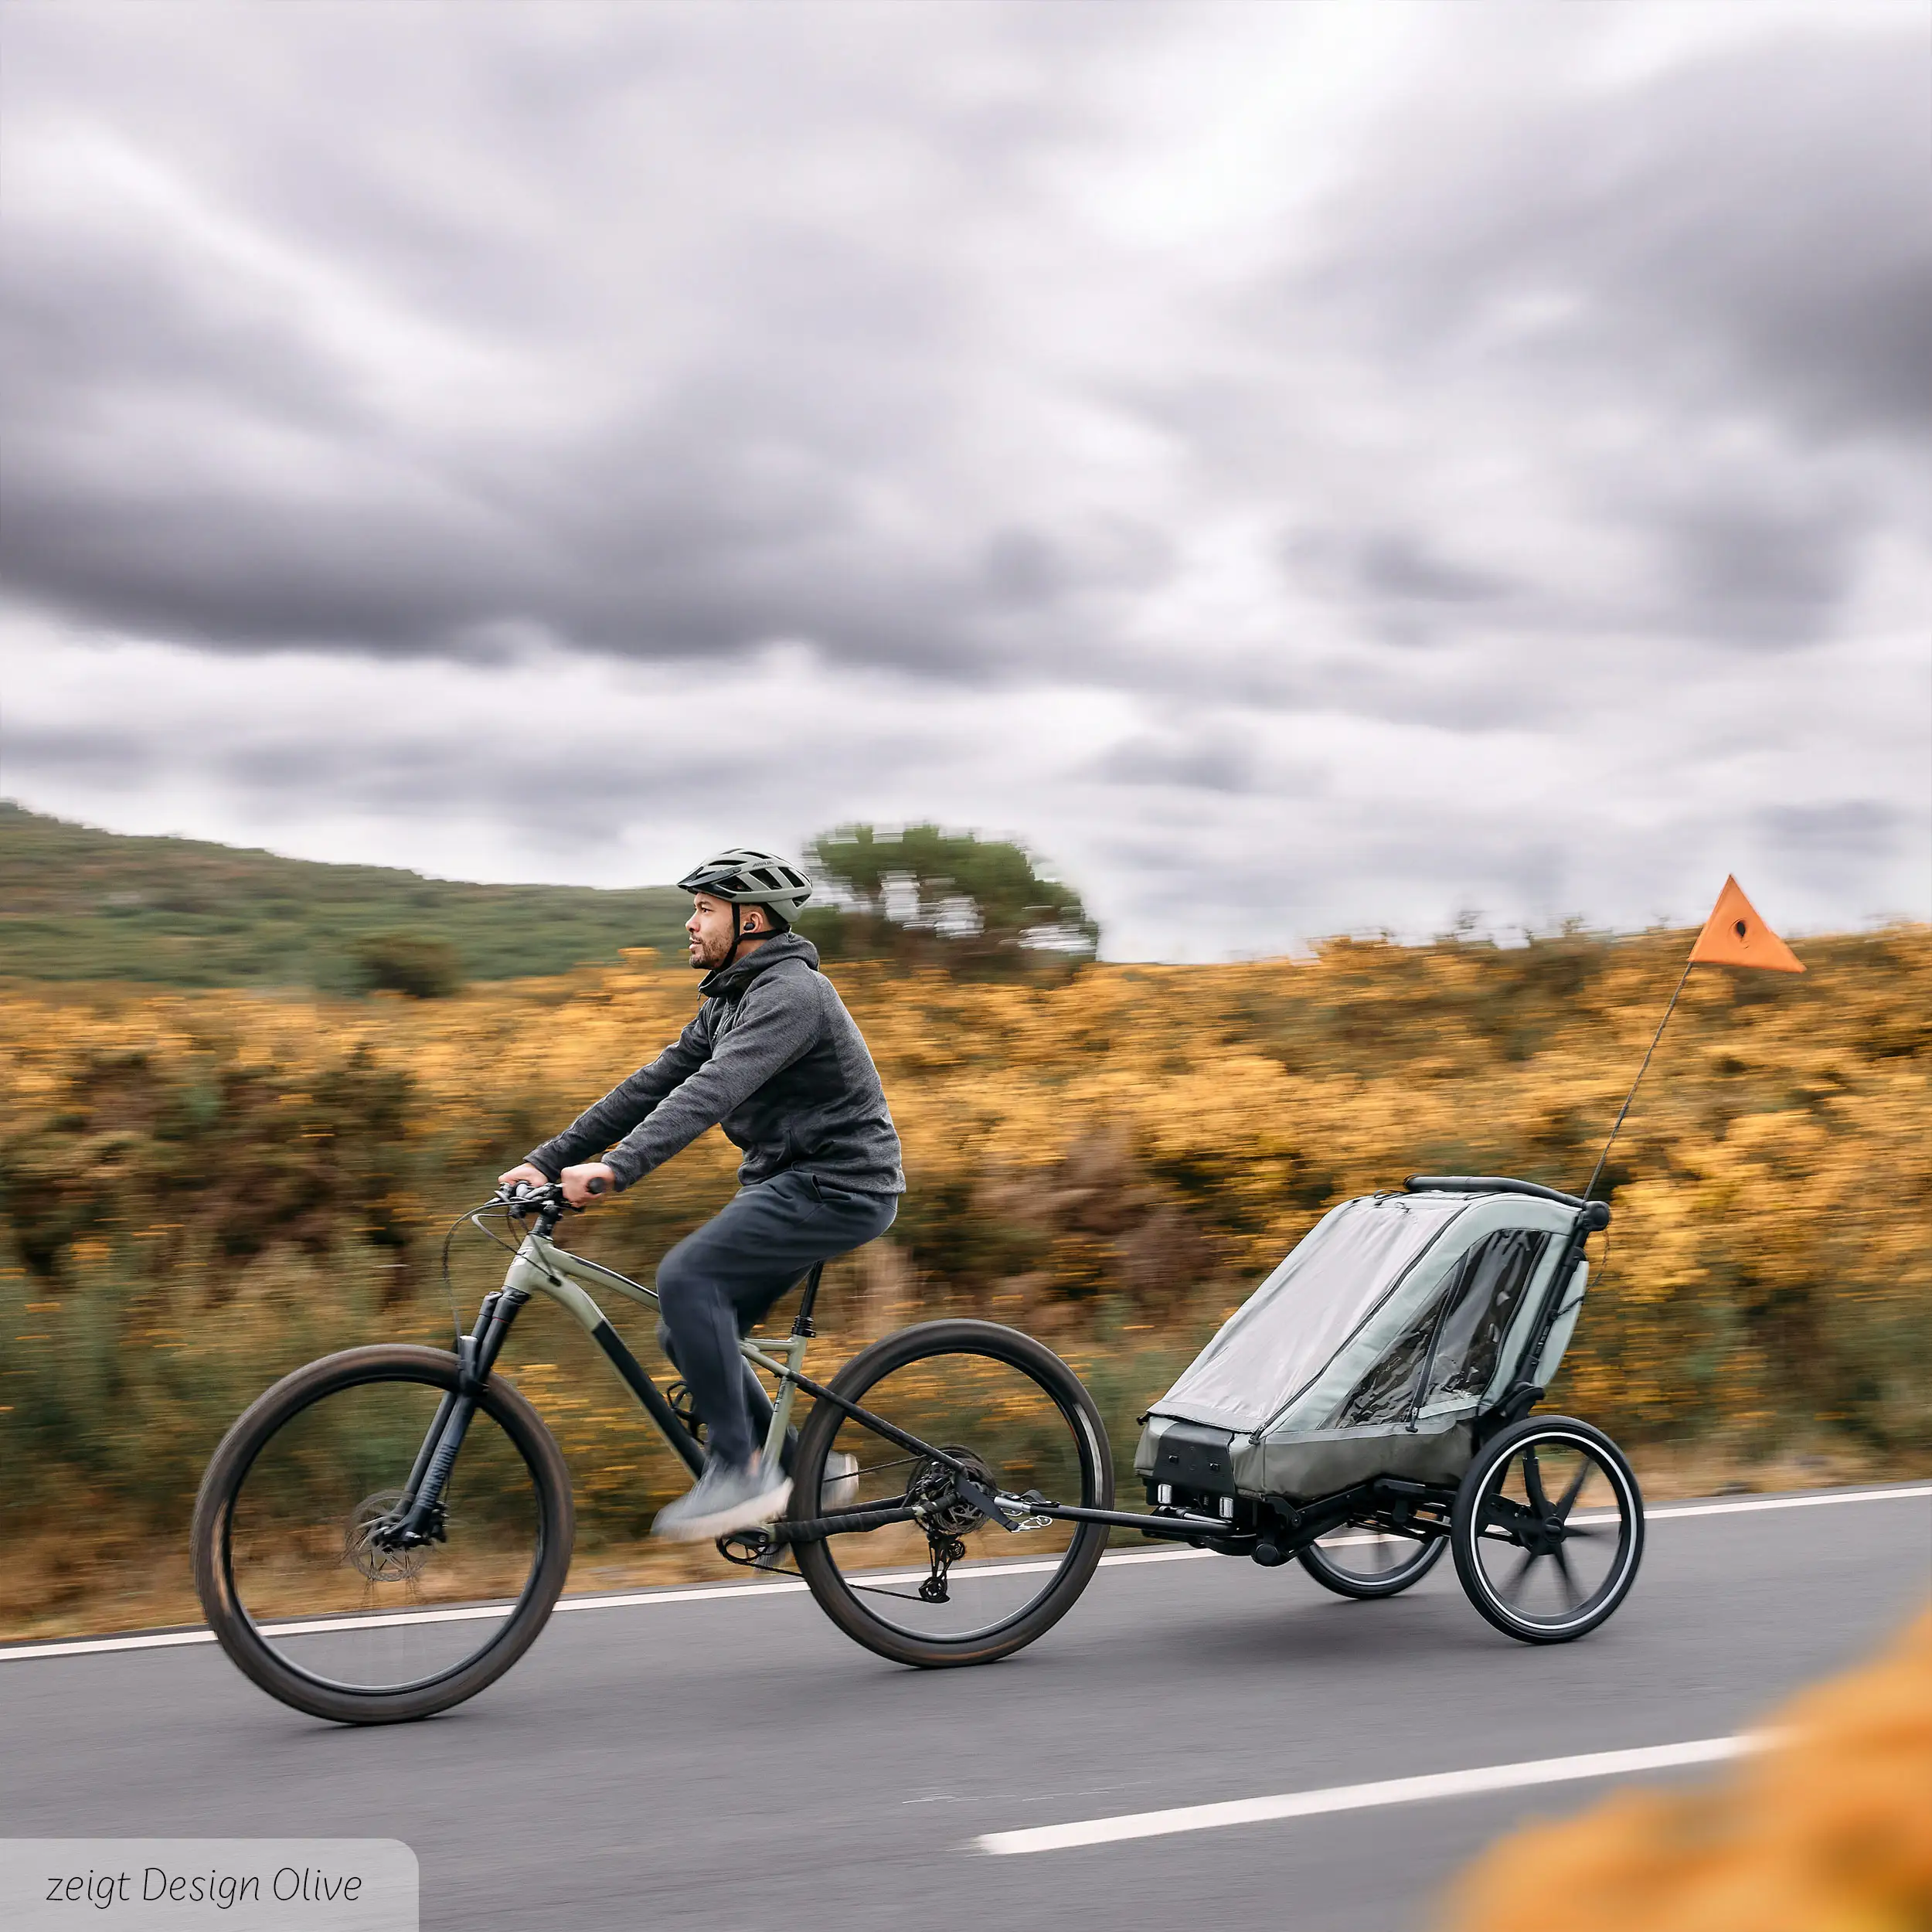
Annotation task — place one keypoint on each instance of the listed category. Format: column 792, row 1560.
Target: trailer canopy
column 1373, row 1345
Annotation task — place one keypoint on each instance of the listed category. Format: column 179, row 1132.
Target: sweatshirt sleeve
column 777, row 1023
column 625, row 1105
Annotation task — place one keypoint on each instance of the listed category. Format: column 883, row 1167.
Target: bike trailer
column 1394, row 1331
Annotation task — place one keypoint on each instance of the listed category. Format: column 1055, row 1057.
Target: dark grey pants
column 714, row 1285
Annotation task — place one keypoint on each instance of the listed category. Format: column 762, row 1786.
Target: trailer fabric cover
column 1456, row 1335
column 1289, row 1329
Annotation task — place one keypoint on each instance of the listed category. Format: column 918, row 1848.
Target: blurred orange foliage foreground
column 1828, row 1831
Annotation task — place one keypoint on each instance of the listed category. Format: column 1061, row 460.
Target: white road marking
column 1357, row 1797
column 626, row 1599
column 778, row 1586
column 1782, row 1502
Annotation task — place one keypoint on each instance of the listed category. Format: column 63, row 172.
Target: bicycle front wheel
column 290, row 1560
column 954, row 1588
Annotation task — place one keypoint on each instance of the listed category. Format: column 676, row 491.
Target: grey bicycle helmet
column 743, row 876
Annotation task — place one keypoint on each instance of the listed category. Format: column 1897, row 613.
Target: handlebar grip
column 597, row 1185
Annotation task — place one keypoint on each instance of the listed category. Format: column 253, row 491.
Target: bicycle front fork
column 419, row 1516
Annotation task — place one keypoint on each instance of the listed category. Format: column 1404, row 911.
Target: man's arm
column 624, row 1106
column 775, row 1026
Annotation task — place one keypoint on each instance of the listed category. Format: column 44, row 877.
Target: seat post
column 801, row 1325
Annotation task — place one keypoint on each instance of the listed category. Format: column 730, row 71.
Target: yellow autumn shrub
column 1829, row 1830
column 200, row 1190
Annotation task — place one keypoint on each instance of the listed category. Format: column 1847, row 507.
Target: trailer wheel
column 1360, row 1560
column 1548, row 1529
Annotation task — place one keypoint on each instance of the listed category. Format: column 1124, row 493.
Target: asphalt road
column 728, row 1763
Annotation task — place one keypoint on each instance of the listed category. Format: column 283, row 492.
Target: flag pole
column 1634, row 1084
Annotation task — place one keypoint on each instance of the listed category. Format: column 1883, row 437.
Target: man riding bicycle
column 774, row 1058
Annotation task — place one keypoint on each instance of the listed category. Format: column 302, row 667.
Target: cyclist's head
column 740, row 896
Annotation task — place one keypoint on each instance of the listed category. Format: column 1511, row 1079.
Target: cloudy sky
column 1302, row 468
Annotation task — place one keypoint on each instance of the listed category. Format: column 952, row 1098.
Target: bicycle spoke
column 1532, row 1478
column 1589, row 1566
column 306, row 1540
column 1570, row 1496
column 1009, row 1431
column 1574, row 1595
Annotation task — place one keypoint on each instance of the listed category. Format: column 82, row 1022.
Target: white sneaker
column 839, row 1487
column 724, row 1499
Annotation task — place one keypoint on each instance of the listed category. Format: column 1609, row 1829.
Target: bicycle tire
column 927, row 1342
column 210, row 1540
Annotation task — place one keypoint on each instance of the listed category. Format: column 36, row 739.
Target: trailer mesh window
column 1454, row 1340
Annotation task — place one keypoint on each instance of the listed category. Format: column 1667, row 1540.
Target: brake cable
column 449, row 1287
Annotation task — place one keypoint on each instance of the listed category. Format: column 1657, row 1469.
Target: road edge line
column 671, row 1593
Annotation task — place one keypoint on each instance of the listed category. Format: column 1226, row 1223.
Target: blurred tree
column 921, row 896
column 402, row 963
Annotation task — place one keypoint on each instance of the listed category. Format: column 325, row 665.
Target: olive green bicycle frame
column 541, row 1267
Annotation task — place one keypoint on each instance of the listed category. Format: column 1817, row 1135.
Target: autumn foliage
column 202, row 1189
column 1828, row 1830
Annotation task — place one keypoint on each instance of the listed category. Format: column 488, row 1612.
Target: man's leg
column 757, row 1403
column 716, row 1283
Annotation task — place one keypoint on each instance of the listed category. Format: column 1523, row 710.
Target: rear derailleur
column 947, row 1550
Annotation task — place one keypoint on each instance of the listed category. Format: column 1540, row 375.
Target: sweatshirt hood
column 727, row 982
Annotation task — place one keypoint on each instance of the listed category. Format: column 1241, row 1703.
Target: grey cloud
column 1855, row 827
column 113, row 760
column 1747, row 231
column 1022, row 568
column 1204, row 762
column 1841, row 849
column 1398, row 565
column 1392, row 565
column 496, row 335
column 1769, row 573
column 729, row 492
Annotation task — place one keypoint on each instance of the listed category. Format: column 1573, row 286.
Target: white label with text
column 183, row 1884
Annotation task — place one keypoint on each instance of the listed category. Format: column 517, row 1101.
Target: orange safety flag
column 1735, row 936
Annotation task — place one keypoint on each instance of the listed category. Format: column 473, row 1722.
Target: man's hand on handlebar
column 581, row 1185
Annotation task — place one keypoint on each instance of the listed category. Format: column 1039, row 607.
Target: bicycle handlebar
column 523, row 1199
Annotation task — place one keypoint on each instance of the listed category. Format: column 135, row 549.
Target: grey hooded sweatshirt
column 773, row 1058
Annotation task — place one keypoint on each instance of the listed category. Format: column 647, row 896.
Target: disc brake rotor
column 363, row 1548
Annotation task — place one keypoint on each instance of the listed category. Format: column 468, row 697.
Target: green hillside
column 78, row 903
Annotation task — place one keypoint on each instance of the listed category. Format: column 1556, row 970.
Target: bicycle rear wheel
column 291, row 1568
column 957, row 1589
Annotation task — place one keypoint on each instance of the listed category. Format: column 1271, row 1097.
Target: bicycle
column 385, row 1532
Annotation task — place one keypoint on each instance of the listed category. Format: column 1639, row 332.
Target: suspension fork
column 419, row 1516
